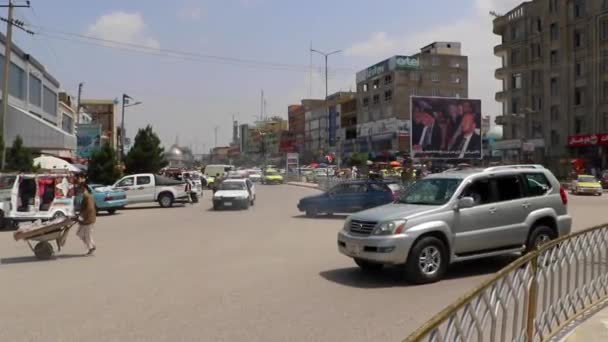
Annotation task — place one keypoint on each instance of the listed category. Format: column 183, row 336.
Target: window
column 144, row 180
column 578, row 96
column 388, row 95
column 536, row 184
column 365, row 101
column 554, row 31
column 538, row 25
column 126, row 182
column 67, row 123
column 578, row 69
column 414, row 76
column 508, row 188
column 554, row 113
column 414, row 91
column 388, row 79
column 554, row 58
column 375, row 187
column 535, row 50
column 376, row 99
column 515, row 105
column 35, row 91
column 553, row 5
column 604, row 29
column 480, row 191
column 537, row 103
column 579, row 39
column 454, row 63
column 435, row 92
column 578, row 125
column 434, row 77
column 579, row 8
column 17, row 85
column 49, row 101
column 554, row 137
column 515, row 56
column 365, row 87
column 537, row 78
column 376, row 84
column 435, row 61
column 455, row 79
column 516, row 81
column 554, row 86
column 430, row 191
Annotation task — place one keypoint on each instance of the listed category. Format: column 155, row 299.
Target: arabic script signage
column 588, row 140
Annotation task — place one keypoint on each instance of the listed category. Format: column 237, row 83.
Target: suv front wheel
column 427, row 262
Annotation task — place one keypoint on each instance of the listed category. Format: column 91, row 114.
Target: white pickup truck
column 148, row 187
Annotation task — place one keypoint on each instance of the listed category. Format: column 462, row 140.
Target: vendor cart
column 57, row 231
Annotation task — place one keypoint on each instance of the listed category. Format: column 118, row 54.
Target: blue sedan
column 348, row 197
column 107, row 199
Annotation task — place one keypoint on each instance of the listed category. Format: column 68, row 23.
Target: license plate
column 353, row 249
column 228, row 204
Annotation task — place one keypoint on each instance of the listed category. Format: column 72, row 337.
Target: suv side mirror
column 465, row 202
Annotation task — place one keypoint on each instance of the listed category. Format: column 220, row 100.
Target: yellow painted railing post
column 532, row 299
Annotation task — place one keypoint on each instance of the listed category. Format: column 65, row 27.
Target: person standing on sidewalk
column 86, row 221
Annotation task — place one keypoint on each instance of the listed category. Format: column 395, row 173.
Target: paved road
column 191, row 274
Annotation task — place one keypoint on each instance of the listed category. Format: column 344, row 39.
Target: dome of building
column 174, row 153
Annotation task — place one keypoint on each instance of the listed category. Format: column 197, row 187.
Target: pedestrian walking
column 354, row 172
column 86, row 221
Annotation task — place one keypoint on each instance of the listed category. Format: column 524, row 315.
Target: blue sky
column 189, row 98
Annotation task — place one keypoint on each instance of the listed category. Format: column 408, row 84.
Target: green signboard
column 406, row 62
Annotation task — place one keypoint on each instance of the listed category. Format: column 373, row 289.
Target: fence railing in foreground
column 533, row 298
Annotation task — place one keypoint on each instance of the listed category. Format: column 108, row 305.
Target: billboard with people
column 446, row 128
column 88, row 138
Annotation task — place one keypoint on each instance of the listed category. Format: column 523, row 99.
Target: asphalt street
column 192, row 274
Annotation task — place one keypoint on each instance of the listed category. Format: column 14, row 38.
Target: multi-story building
column 35, row 112
column 322, row 122
column 554, row 73
column 384, row 90
column 348, row 126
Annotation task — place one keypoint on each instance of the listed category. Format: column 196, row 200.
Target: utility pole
column 78, row 103
column 215, row 133
column 262, row 107
column 326, row 55
column 125, row 103
column 7, row 63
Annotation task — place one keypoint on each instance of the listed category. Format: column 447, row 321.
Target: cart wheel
column 43, row 250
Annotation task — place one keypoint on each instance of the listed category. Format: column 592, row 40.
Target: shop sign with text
column 588, row 140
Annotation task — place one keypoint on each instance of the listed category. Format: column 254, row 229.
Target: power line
column 164, row 52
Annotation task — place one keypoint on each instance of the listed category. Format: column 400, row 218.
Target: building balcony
column 501, row 73
column 499, row 25
column 502, row 96
column 500, row 49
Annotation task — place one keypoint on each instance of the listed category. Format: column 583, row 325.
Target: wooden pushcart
column 57, row 231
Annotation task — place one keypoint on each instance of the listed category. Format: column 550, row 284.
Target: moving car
column 216, row 170
column 347, row 197
column 31, row 197
column 272, row 176
column 107, row 198
column 255, row 175
column 456, row 216
column 586, row 184
column 147, row 188
column 234, row 193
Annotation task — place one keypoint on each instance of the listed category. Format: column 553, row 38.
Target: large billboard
column 89, row 139
column 446, row 128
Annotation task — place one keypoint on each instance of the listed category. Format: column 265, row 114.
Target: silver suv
column 458, row 215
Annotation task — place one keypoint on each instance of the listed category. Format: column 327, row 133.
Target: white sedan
column 234, row 193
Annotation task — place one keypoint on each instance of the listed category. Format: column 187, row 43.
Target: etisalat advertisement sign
column 393, row 63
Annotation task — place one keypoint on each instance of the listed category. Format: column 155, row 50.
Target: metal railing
column 533, row 298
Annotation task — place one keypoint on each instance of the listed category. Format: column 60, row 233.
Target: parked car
column 272, row 176
column 347, row 197
column 234, row 193
column 459, row 215
column 107, row 198
column 147, row 187
column 586, row 184
column 604, row 179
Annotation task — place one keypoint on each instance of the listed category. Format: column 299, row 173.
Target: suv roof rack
column 519, row 166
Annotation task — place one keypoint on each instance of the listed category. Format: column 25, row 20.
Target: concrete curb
column 304, row 185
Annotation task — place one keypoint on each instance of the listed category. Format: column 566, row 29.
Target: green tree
column 103, row 166
column 146, row 155
column 19, row 158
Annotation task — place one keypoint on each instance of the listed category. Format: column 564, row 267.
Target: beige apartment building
column 554, row 75
column 384, row 91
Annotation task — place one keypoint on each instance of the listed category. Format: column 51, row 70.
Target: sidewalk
column 305, row 185
column 594, row 328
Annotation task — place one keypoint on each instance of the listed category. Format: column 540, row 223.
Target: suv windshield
column 435, row 191
column 232, row 186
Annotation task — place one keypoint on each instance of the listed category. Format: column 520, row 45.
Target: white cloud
column 477, row 39
column 123, row 27
column 190, row 13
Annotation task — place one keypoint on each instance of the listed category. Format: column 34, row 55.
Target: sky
column 196, row 64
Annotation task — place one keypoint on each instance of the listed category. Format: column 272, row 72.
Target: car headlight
column 346, row 226
column 389, row 227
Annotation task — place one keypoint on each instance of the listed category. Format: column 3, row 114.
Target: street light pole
column 326, row 55
column 125, row 103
